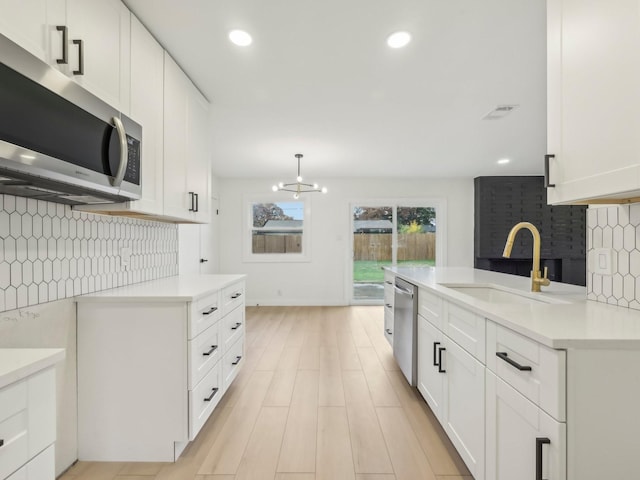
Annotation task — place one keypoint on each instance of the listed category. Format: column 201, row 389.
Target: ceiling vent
column 499, row 112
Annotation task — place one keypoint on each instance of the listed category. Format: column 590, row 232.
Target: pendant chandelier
column 298, row 187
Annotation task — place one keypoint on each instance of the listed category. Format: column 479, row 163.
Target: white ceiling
column 320, row 80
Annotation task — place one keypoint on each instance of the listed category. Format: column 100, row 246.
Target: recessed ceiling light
column 240, row 38
column 503, row 161
column 398, row 39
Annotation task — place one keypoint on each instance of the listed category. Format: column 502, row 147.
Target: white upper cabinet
column 99, row 49
column 187, row 182
column 88, row 40
column 29, row 24
column 593, row 73
column 147, row 67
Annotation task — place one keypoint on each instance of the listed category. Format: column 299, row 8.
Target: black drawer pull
column 505, row 357
column 213, row 349
column 193, row 198
column 440, row 369
column 236, row 326
column 435, row 354
column 238, row 358
column 210, row 311
column 1, row 442
column 65, row 47
column 389, row 331
column 388, row 305
column 235, row 295
column 213, row 394
column 80, row 44
column 539, row 442
column 388, row 282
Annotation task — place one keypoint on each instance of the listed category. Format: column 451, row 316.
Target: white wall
column 322, row 281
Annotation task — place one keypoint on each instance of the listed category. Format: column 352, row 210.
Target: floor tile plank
column 408, row 459
column 333, row 458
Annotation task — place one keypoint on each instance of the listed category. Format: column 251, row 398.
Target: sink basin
column 493, row 294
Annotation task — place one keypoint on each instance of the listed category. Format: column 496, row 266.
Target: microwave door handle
column 116, row 181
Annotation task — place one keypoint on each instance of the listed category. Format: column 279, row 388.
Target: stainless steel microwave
column 58, row 142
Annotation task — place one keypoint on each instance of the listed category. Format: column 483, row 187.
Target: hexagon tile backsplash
column 49, row 252
column 616, row 228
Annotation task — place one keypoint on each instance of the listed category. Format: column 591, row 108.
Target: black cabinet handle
column 546, row 171
column 193, row 206
column 65, row 47
column 80, row 45
column 196, row 196
column 539, row 442
column 210, row 311
column 1, row 442
column 505, row 357
column 388, row 305
column 235, row 295
column 238, row 358
column 388, row 282
column 213, row 349
column 213, row 394
column 203, row 260
column 389, row 331
column 440, row 369
column 236, row 327
column 435, row 354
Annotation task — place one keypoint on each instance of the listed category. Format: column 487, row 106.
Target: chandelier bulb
column 298, row 178
column 315, row 186
column 281, row 185
column 324, row 190
column 275, row 188
column 296, row 196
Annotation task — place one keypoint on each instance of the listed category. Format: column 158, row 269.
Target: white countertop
column 19, row 363
column 178, row 288
column 575, row 323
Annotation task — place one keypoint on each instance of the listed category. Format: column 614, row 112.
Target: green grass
column 368, row 271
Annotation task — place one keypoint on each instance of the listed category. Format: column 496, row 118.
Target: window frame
column 247, row 231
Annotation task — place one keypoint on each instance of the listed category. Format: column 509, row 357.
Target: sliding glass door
column 388, row 234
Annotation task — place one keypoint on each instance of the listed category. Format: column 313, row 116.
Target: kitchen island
column 154, row 360
column 528, row 385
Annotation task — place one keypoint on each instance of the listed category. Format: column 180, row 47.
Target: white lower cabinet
column 430, row 380
column 28, row 428
column 151, row 371
column 451, row 380
column 463, row 406
column 523, row 442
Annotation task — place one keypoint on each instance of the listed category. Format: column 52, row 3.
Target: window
column 278, row 230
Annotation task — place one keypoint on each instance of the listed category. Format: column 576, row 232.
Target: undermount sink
column 495, row 294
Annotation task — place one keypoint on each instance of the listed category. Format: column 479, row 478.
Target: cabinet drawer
column 14, row 435
column 233, row 359
column 204, row 313
column 467, row 329
column 430, row 306
column 41, row 467
column 232, row 327
column 232, row 297
column 13, row 399
column 544, row 384
column 388, row 288
column 203, row 399
column 204, row 352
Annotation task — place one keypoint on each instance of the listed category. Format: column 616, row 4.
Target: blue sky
column 294, row 209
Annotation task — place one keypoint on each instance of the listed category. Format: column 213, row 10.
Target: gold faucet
column 537, row 278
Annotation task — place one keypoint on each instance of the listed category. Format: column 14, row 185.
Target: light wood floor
column 319, row 397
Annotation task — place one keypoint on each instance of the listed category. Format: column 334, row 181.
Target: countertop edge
column 50, row 357
column 135, row 292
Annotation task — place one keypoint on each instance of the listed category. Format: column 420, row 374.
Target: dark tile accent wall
column 501, row 202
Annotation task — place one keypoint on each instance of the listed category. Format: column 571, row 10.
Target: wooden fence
column 377, row 246
column 367, row 246
column 277, row 243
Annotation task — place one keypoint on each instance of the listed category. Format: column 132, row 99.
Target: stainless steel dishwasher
column 405, row 341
